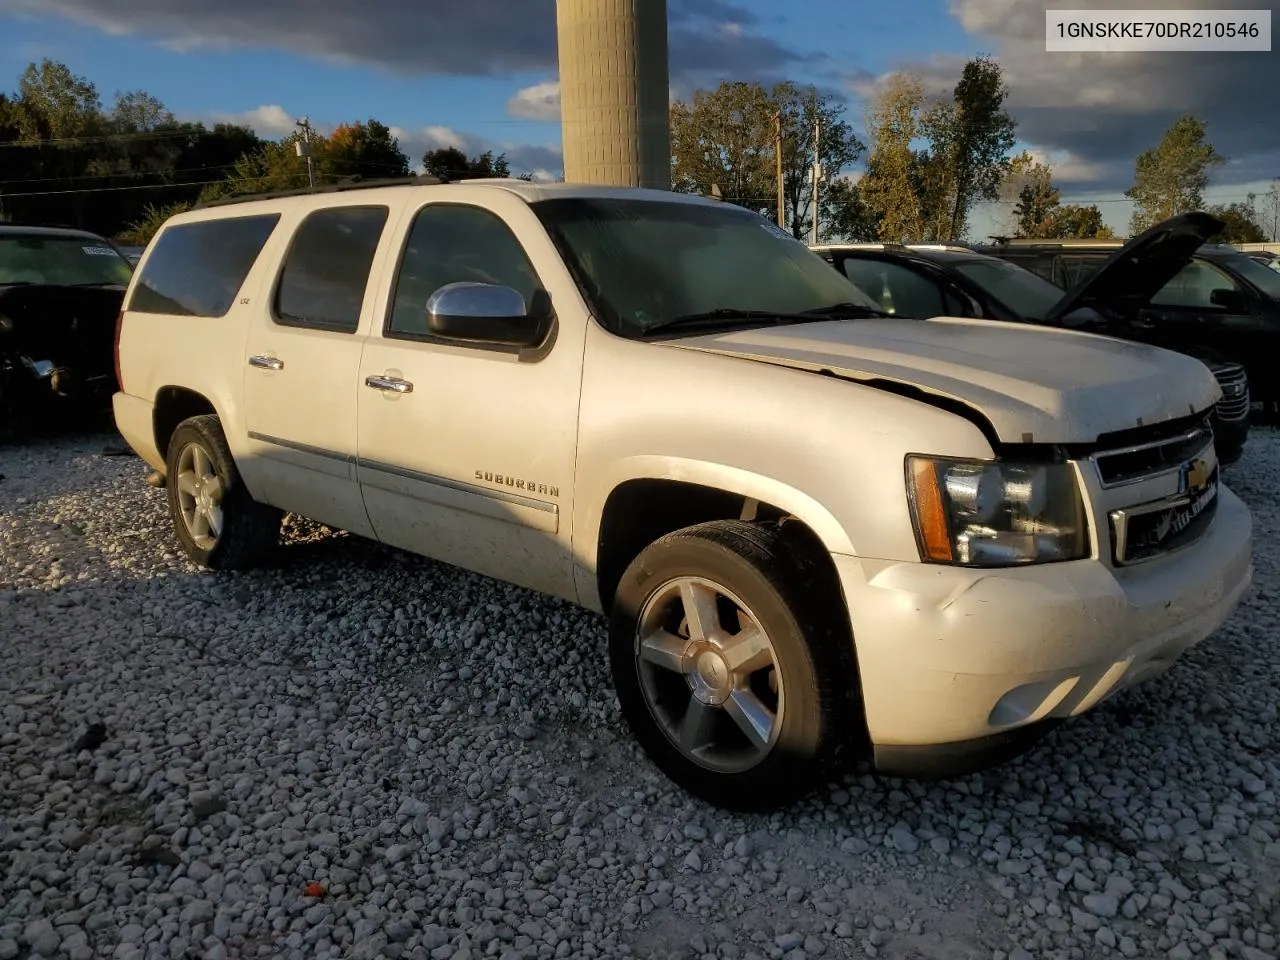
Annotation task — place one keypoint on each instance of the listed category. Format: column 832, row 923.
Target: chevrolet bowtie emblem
column 1197, row 474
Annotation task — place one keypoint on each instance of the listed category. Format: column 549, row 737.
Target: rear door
column 302, row 361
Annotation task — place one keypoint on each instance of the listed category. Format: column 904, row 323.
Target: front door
column 301, row 368
column 1184, row 315
column 466, row 452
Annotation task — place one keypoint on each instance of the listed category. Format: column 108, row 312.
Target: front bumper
column 955, row 660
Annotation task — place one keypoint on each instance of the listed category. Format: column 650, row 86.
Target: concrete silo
column 614, row 92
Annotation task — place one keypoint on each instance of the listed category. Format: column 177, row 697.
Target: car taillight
column 119, row 328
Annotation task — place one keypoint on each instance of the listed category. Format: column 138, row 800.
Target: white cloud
column 269, row 121
column 538, row 102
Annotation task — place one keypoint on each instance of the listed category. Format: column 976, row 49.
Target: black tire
column 250, row 531
column 812, row 651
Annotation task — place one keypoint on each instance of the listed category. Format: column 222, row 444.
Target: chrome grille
column 1234, row 405
column 1158, row 496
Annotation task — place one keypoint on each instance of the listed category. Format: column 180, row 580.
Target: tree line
column 123, row 169
column 928, row 161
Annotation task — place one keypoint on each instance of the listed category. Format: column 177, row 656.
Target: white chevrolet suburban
column 818, row 532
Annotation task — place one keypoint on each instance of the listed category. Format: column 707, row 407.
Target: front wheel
column 732, row 670
column 219, row 525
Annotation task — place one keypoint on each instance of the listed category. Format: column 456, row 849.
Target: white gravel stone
column 443, row 754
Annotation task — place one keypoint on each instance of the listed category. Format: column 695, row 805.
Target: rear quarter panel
column 205, row 355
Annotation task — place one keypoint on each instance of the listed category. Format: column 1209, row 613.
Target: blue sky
column 261, row 62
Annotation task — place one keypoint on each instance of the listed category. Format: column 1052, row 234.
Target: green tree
column 450, row 163
column 140, row 232
column 1171, row 177
column 56, row 104
column 845, row 215
column 1072, row 221
column 1038, row 202
column 804, row 112
column 971, row 136
column 367, row 150
column 890, row 187
column 723, row 139
column 139, row 112
column 1241, row 220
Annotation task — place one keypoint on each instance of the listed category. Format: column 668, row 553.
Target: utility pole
column 303, row 148
column 777, row 152
column 817, row 173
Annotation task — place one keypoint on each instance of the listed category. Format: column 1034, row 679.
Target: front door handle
column 266, row 363
column 390, row 384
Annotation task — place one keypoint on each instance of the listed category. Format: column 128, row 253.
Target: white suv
column 817, row 532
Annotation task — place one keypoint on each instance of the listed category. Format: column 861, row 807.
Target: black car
column 923, row 281
column 1223, row 303
column 61, row 291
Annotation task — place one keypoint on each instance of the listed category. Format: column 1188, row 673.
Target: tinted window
column 896, row 289
column 1193, row 287
column 327, row 268
column 196, row 269
column 450, row 243
column 1021, row 291
column 1256, row 272
column 640, row 263
column 60, row 259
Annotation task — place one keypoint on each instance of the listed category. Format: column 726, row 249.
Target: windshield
column 1025, row 293
column 1262, row 277
column 642, row 263
column 60, row 260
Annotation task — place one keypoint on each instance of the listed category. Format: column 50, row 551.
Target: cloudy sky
column 482, row 74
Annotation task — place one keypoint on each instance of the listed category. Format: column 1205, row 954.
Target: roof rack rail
column 354, row 183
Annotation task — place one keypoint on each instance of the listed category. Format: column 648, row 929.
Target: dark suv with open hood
column 1122, row 299
column 1220, row 303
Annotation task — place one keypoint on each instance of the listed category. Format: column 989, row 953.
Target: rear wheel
column 733, row 675
column 218, row 524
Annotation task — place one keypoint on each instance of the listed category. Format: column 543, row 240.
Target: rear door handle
column 266, row 363
column 390, row 384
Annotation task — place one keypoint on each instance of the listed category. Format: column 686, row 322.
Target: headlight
column 985, row 513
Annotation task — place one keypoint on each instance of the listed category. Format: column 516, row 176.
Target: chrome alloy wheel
column 200, row 492
column 709, row 674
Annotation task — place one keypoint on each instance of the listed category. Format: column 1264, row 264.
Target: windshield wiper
column 848, row 310
column 731, row 316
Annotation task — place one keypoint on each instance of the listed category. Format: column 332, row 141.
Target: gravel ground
column 365, row 754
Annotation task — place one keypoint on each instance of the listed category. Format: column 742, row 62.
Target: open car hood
column 1137, row 271
column 1033, row 384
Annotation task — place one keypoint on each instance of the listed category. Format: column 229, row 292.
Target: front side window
column 455, row 243
column 897, row 290
column 60, row 261
column 1192, row 287
column 641, row 263
column 327, row 268
column 196, row 269
column 1020, row 291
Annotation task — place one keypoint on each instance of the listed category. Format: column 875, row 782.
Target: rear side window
column 196, row 269
column 327, row 268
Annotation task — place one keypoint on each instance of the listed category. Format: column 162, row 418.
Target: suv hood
column 1137, row 271
column 1034, row 384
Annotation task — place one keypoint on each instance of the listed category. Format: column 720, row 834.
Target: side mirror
column 485, row 312
column 1234, row 301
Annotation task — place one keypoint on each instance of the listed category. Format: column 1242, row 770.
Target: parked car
column 132, row 254
column 1266, row 258
column 60, row 295
column 926, row 280
column 815, row 536
column 1222, row 303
